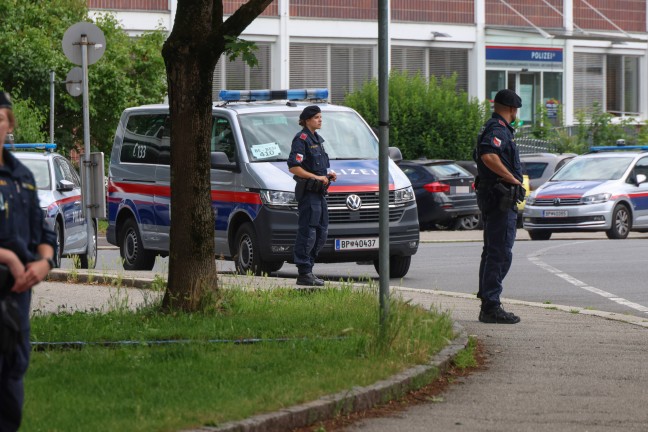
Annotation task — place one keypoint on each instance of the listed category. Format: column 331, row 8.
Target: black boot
column 309, row 279
column 498, row 316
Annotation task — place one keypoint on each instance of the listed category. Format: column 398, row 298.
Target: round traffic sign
column 72, row 42
column 74, row 81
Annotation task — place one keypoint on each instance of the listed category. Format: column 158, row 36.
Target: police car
column 59, row 190
column 604, row 190
column 253, row 192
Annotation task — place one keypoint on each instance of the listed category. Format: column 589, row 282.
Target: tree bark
column 190, row 55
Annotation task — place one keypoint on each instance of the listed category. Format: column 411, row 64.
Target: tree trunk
column 190, row 55
column 192, row 265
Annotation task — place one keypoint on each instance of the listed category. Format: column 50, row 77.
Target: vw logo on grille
column 353, row 202
column 556, row 201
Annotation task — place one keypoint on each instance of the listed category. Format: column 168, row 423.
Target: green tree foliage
column 29, row 121
column 131, row 72
column 427, row 119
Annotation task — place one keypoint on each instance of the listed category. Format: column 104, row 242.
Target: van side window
column 146, row 139
column 640, row 168
column 222, row 138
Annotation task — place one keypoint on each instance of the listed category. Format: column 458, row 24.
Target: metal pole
column 86, row 145
column 383, row 156
column 52, row 81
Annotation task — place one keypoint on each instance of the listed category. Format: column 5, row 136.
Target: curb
column 354, row 400
column 89, row 277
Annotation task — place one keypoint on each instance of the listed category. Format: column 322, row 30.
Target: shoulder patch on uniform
column 303, row 136
column 299, row 157
column 28, row 186
column 3, row 183
column 497, row 141
column 502, row 123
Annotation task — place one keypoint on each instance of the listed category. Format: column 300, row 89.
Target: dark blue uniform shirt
column 22, row 224
column 307, row 151
column 497, row 137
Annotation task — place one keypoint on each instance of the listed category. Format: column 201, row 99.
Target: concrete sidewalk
column 561, row 368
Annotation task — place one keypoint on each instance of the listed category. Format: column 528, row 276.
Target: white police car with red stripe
column 604, row 190
column 59, row 191
column 253, row 193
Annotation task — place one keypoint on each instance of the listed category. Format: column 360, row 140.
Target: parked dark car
column 445, row 195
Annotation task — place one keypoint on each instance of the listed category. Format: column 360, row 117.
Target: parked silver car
column 600, row 191
column 540, row 166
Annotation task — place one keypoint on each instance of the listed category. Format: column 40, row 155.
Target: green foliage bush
column 131, row 71
column 427, row 119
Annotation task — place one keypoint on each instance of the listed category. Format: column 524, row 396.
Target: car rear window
column 535, row 169
column 448, row 170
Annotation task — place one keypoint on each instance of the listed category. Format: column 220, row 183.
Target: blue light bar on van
column 268, row 95
column 34, row 146
column 617, row 148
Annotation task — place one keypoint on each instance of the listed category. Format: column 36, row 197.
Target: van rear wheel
column 131, row 248
column 247, row 257
column 398, row 266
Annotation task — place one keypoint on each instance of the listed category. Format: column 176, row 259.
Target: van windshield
column 268, row 136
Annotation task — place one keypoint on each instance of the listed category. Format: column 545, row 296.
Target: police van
column 252, row 190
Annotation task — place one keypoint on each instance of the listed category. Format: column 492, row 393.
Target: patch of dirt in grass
column 431, row 393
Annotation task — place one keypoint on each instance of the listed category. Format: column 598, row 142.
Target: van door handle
column 77, row 203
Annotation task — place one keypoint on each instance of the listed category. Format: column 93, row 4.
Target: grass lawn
column 330, row 343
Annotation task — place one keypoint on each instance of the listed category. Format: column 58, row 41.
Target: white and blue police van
column 59, row 192
column 252, row 190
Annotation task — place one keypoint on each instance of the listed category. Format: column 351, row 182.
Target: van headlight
column 596, row 199
column 402, row 196
column 531, row 199
column 278, row 199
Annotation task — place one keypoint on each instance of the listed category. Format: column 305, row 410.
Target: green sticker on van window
column 265, row 151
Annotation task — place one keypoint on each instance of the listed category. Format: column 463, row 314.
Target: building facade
column 565, row 55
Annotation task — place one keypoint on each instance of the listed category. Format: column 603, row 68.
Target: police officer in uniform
column 309, row 163
column 499, row 187
column 26, row 252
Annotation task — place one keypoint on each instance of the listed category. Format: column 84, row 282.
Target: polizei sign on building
column 524, row 57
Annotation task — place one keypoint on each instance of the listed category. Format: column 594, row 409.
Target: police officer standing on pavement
column 309, row 163
column 499, row 188
column 26, row 252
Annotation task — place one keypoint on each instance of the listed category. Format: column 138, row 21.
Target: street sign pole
column 77, row 41
column 52, row 82
column 383, row 158
column 86, row 145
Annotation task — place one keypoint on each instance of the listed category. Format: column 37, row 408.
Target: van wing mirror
column 65, row 186
column 219, row 160
column 641, row 178
column 395, row 154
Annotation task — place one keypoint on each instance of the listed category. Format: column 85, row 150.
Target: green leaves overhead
column 131, row 72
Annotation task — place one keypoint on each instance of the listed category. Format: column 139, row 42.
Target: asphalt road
column 590, row 273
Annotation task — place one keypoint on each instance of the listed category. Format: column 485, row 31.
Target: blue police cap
column 5, row 100
column 309, row 112
column 509, row 98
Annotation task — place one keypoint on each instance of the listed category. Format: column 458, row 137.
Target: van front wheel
column 247, row 257
column 398, row 266
column 132, row 250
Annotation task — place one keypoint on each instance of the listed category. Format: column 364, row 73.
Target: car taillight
column 437, row 187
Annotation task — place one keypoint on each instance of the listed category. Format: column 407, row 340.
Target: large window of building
column 611, row 81
column 237, row 75
column 340, row 68
column 432, row 62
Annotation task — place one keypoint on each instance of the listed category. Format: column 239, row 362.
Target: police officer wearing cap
column 309, row 164
column 499, row 178
column 26, row 252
